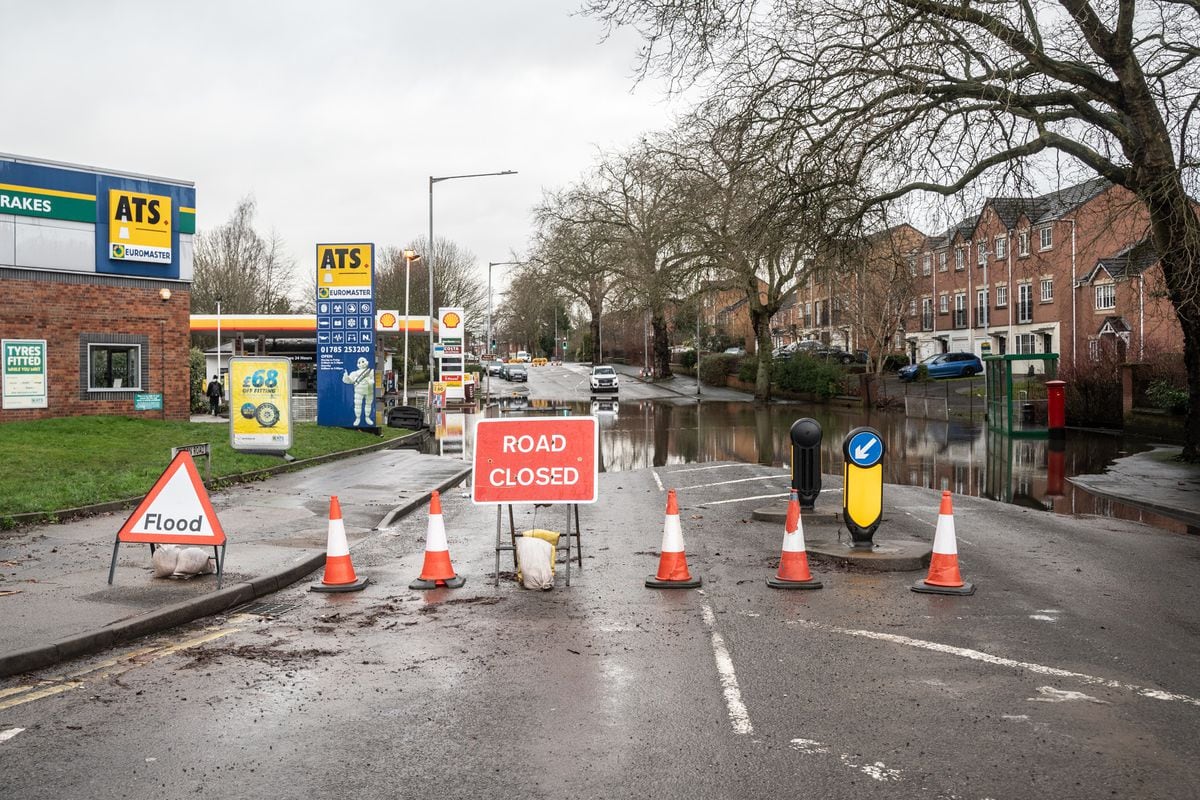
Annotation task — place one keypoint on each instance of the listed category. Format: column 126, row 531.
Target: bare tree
column 576, row 254
column 455, row 281
column 932, row 96
column 248, row 273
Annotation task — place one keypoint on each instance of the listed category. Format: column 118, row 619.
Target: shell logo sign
column 451, row 320
column 387, row 321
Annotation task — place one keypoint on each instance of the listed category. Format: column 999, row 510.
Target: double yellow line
column 48, row 687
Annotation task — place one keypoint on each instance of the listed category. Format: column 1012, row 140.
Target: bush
column 198, row 380
column 688, row 359
column 804, row 374
column 1094, row 392
column 1166, row 395
column 715, row 369
column 748, row 370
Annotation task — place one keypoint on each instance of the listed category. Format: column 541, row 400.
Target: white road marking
column 1051, row 695
column 738, row 716
column 736, row 480
column 701, row 469
column 658, row 480
column 879, row 771
column 1043, row 617
column 988, row 658
column 809, row 746
column 744, row 499
column 10, row 733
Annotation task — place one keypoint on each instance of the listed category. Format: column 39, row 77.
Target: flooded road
column 962, row 456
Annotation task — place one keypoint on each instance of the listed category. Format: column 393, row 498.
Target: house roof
column 1127, row 263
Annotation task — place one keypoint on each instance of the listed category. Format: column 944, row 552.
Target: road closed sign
column 536, row 460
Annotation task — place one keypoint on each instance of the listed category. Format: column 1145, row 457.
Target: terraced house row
column 1068, row 272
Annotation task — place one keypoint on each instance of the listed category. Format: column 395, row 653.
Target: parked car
column 944, row 365
column 516, row 372
column 735, row 351
column 603, row 379
column 495, row 368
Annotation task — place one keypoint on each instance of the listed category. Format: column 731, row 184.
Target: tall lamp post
column 488, row 343
column 409, row 257
column 429, row 264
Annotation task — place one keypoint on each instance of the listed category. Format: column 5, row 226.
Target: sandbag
column 165, row 559
column 193, row 561
column 535, row 558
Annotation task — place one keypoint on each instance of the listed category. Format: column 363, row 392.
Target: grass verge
column 55, row 464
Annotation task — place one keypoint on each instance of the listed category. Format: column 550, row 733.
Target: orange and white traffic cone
column 672, row 563
column 339, row 572
column 943, row 575
column 437, row 570
column 793, row 562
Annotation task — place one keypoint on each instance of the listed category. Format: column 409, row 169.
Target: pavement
column 57, row 604
column 54, row 593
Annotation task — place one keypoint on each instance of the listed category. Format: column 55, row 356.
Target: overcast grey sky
column 333, row 115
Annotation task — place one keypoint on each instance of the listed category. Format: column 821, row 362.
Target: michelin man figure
column 363, row 380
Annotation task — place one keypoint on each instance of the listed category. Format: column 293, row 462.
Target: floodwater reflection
column 959, row 455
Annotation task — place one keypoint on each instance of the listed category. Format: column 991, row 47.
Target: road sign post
column 546, row 461
column 806, row 461
column 862, row 484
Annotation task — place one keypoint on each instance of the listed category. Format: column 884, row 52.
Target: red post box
column 1056, row 407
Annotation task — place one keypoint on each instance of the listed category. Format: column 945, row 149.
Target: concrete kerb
column 190, row 610
column 42, row 517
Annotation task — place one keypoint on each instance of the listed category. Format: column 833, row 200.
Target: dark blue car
column 945, row 365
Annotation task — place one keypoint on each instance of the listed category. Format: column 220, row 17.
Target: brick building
column 1068, row 272
column 95, row 269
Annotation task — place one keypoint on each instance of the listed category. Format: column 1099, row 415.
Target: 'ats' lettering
column 336, row 258
column 138, row 209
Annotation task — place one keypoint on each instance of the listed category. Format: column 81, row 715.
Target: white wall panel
column 55, row 244
column 8, row 250
column 186, row 252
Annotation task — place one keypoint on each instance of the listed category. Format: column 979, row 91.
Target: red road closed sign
column 536, row 460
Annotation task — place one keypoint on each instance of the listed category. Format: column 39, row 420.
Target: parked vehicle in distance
column 516, row 372
column 735, row 351
column 495, row 368
column 523, row 356
column 603, row 379
column 944, row 365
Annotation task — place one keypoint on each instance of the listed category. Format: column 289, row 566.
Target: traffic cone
column 793, row 563
column 339, row 572
column 943, row 575
column 672, row 563
column 437, row 570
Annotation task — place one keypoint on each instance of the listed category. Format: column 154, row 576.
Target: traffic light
column 493, row 345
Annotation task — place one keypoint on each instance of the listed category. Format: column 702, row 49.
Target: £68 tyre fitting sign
column 536, row 460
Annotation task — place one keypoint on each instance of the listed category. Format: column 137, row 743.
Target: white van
column 523, row 356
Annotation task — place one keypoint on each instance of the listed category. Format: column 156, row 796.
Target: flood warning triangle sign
column 176, row 510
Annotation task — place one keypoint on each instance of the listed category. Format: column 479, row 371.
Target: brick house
column 1056, row 273
column 96, row 268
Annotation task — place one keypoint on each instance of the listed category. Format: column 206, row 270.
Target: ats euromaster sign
column 346, row 336
column 69, row 218
column 139, row 227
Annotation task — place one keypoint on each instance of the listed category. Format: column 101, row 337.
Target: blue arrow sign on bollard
column 865, row 448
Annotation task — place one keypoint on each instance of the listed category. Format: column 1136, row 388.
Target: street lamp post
column 409, row 257
column 429, row 264
column 487, row 389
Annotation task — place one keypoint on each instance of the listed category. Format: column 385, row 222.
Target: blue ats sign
column 346, row 335
column 131, row 224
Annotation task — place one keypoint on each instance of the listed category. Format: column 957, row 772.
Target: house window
column 912, row 308
column 1094, row 349
column 960, row 258
column 942, row 261
column 1025, row 302
column 1047, row 290
column 912, row 266
column 981, row 307
column 808, row 315
column 981, row 249
column 1023, row 243
column 1025, row 343
column 114, row 367
column 926, row 264
column 944, row 304
column 1106, row 296
column 927, row 314
column 1001, row 248
column 1047, row 237
column 960, row 310
column 1001, row 296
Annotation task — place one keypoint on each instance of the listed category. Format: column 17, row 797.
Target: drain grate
column 268, row 608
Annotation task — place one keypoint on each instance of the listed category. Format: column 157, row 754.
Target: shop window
column 114, row 366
